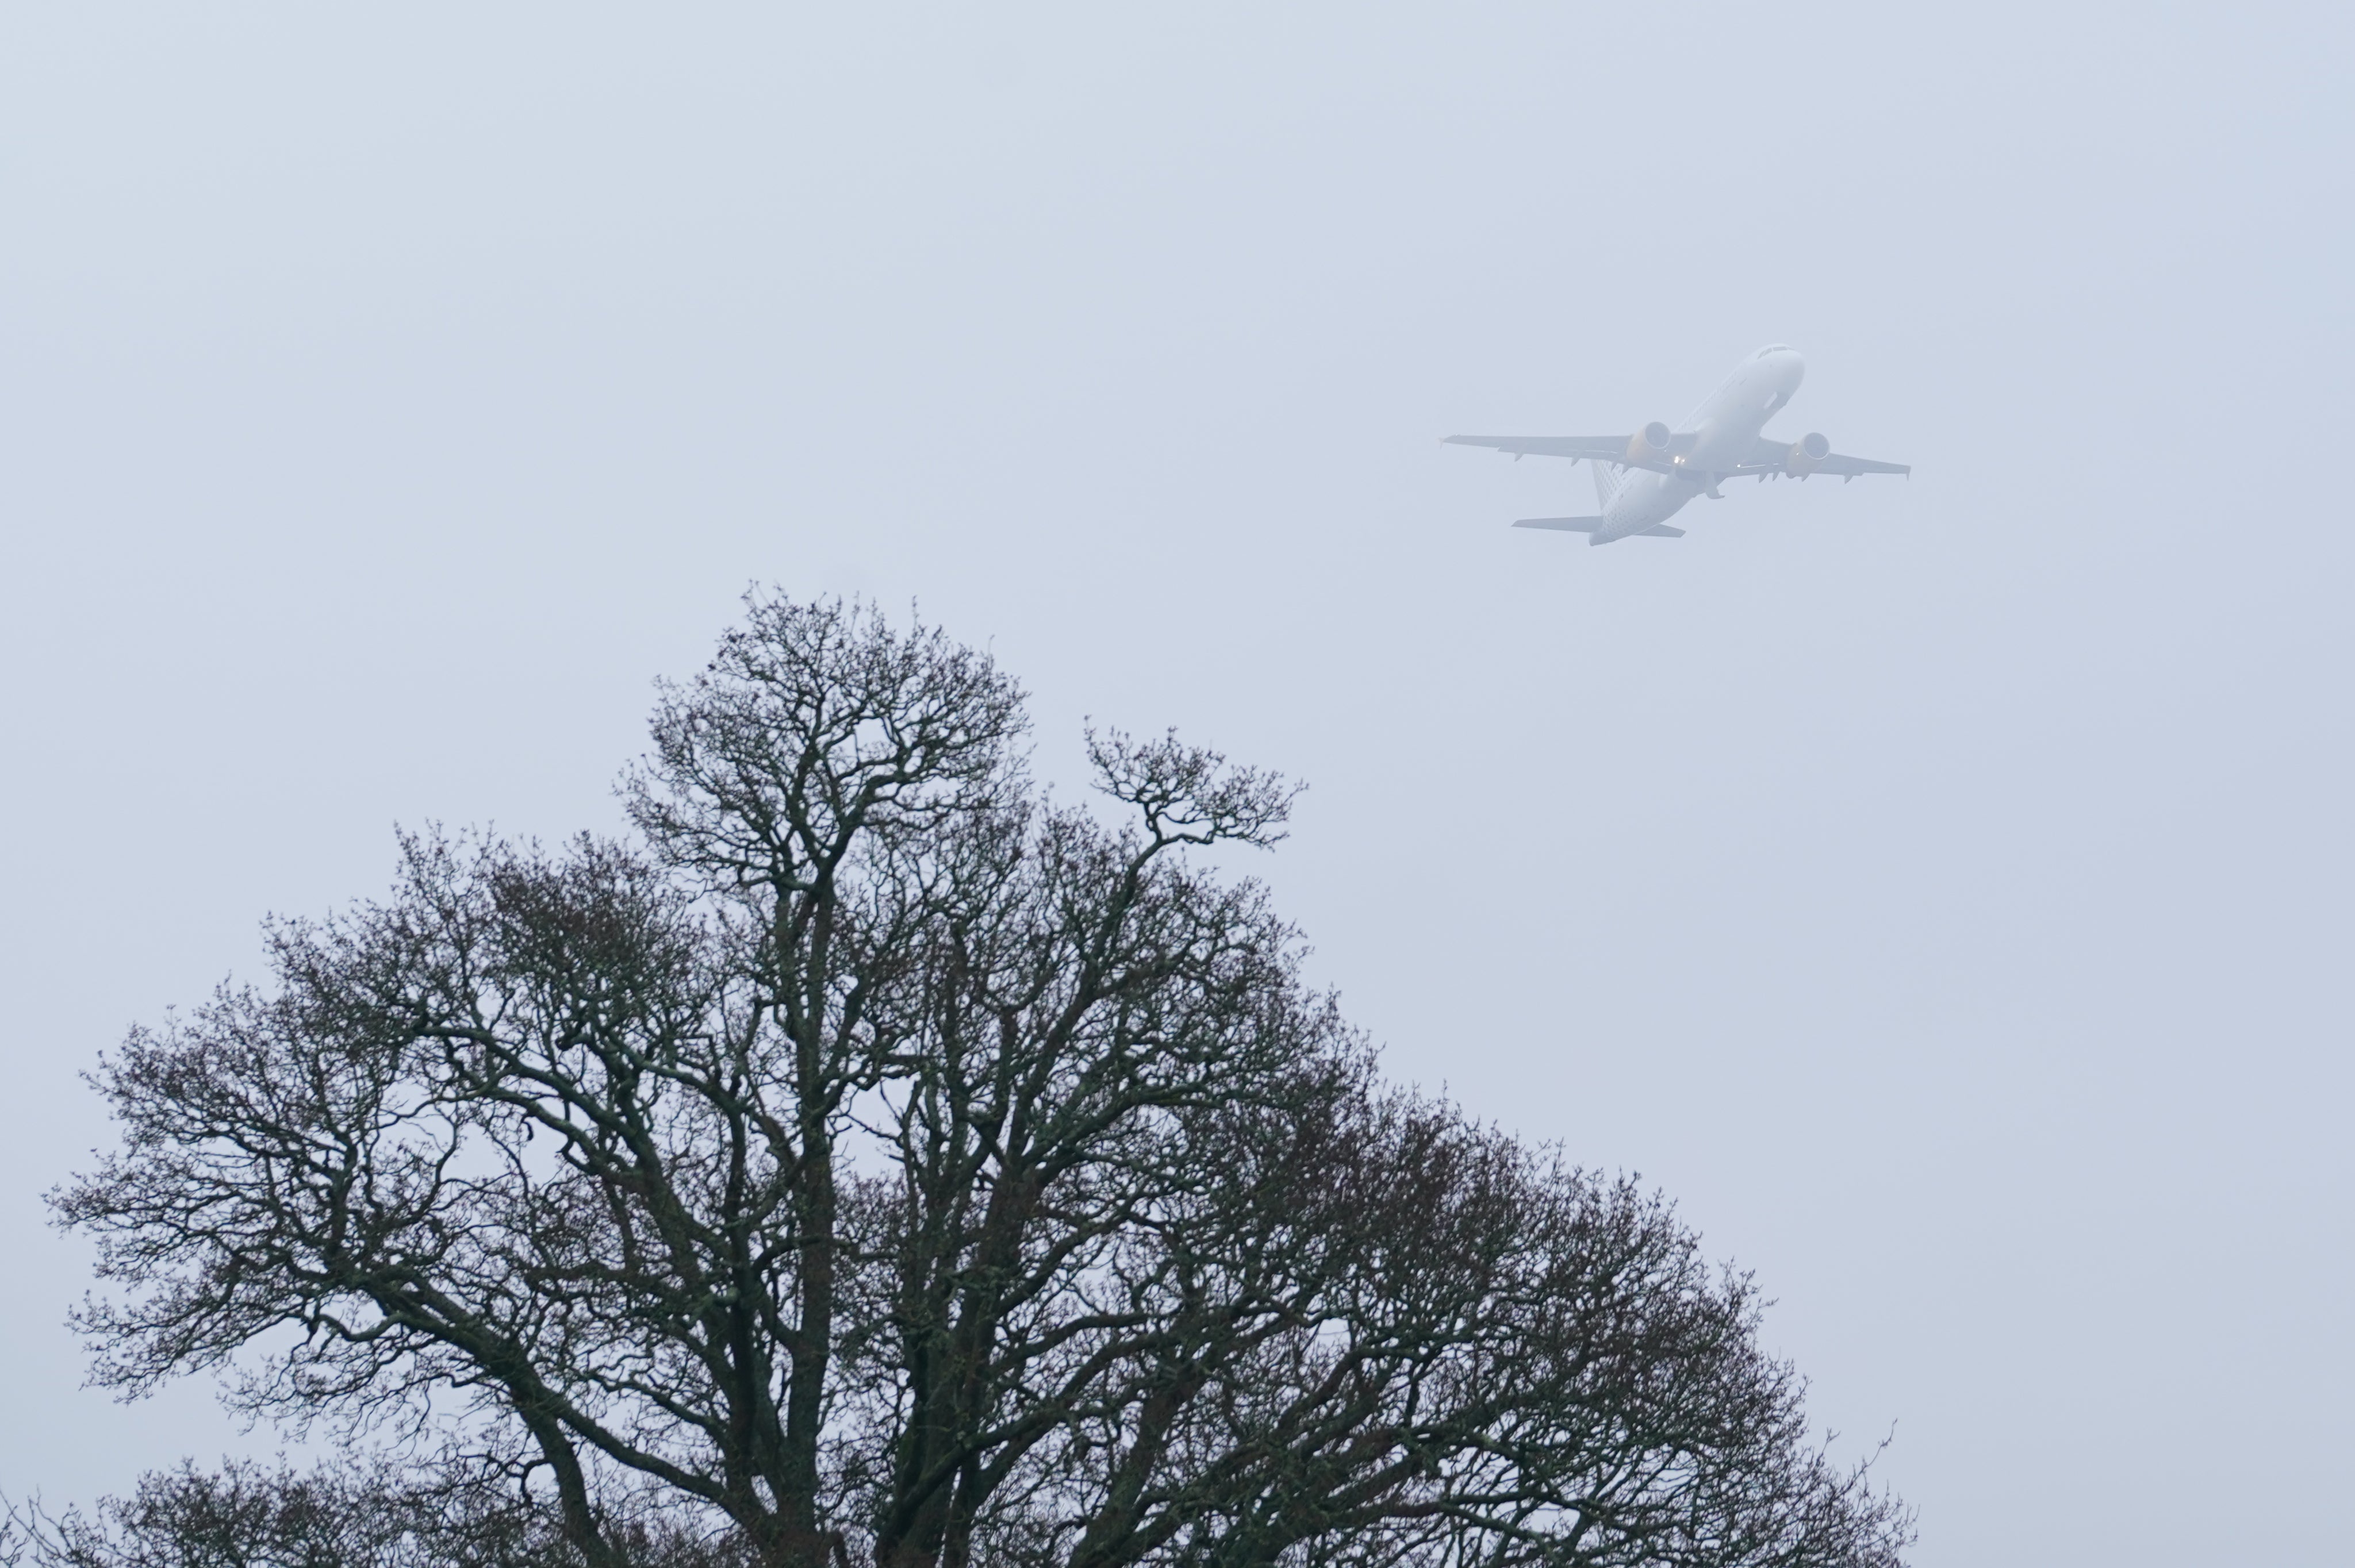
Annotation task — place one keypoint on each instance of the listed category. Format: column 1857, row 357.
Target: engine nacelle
column 1649, row 444
column 1806, row 453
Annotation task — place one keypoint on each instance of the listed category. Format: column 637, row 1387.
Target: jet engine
column 1649, row 444
column 1806, row 453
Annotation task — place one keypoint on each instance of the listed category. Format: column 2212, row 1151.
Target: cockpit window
column 1772, row 348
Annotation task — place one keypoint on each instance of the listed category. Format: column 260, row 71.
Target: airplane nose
column 1795, row 370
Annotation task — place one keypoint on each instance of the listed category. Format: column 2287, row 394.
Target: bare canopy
column 876, row 1160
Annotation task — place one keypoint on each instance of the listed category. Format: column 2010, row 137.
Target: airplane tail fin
column 1607, row 483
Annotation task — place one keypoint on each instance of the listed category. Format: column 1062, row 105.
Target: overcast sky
column 1939, row 887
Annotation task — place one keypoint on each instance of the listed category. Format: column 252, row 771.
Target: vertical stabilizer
column 1607, row 483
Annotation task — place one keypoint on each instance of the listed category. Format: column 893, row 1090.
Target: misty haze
column 1814, row 1034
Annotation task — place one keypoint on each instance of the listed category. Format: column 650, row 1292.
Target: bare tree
column 878, row 1159
column 355, row 1512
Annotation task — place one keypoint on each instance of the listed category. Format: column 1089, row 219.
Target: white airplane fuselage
column 1727, row 424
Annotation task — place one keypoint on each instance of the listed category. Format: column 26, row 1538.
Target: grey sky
column 1939, row 887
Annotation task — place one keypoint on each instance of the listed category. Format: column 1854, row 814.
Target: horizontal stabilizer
column 1589, row 525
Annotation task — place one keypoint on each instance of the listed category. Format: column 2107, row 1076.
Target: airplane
column 1642, row 481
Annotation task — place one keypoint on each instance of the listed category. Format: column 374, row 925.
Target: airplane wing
column 1599, row 449
column 1771, row 456
column 1608, row 447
